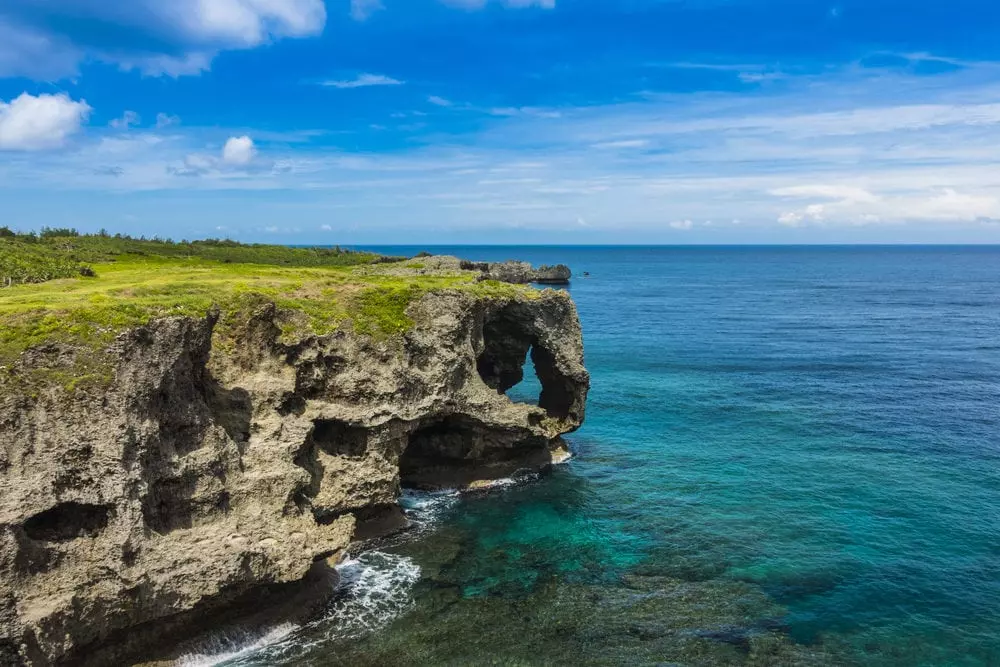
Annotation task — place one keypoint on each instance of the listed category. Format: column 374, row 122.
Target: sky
column 504, row 121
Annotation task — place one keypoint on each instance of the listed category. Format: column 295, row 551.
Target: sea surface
column 791, row 457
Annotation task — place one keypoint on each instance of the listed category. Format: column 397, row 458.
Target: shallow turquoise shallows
column 791, row 456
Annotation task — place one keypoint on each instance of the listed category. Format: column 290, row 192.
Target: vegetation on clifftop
column 62, row 253
column 85, row 290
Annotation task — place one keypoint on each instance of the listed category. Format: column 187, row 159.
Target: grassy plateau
column 84, row 290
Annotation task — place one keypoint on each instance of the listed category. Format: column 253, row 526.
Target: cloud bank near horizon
column 885, row 144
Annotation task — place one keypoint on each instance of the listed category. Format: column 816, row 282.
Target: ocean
column 791, row 457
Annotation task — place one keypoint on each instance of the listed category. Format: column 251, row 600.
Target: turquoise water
column 791, row 457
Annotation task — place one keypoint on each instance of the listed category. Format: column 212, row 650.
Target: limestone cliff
column 207, row 482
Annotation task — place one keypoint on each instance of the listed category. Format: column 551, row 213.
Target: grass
column 85, row 290
column 30, row 258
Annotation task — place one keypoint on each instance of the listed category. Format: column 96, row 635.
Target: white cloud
column 243, row 22
column 31, row 52
column 362, row 9
column 625, row 143
column 853, row 206
column 129, row 119
column 524, row 111
column 439, row 101
column 191, row 32
column 513, row 4
column 166, row 120
column 189, row 64
column 363, row 81
column 326, row 228
column 34, row 123
column 842, row 192
column 239, row 151
column 765, row 166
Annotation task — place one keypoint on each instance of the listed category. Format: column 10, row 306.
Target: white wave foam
column 374, row 589
column 501, row 483
column 425, row 508
column 231, row 646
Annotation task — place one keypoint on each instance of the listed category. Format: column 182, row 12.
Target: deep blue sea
column 791, row 457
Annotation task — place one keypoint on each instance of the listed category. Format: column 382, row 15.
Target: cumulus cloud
column 242, row 22
column 239, row 151
column 683, row 225
column 46, row 39
column 166, row 120
column 363, row 81
column 237, row 159
column 848, row 205
column 35, row 123
column 129, row 119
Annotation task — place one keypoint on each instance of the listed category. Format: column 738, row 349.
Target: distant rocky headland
column 521, row 273
column 194, row 432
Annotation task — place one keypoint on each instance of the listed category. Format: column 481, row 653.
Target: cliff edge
column 221, row 464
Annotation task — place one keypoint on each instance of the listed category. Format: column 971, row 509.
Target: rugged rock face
column 522, row 273
column 210, row 483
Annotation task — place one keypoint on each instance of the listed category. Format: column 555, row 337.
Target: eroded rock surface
column 522, row 273
column 210, row 483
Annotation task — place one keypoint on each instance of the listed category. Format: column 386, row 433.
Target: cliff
column 215, row 465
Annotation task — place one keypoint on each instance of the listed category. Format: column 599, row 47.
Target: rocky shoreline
column 210, row 482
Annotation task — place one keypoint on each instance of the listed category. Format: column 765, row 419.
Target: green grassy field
column 61, row 253
column 85, row 290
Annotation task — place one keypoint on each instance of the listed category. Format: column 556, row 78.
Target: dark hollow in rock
column 501, row 365
column 507, row 341
column 379, row 521
column 333, row 437
column 67, row 521
column 231, row 409
column 558, row 391
column 456, row 450
column 339, row 438
column 175, row 503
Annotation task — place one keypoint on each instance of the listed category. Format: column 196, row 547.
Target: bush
column 65, row 253
column 55, row 232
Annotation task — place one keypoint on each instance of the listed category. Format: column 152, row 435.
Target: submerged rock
column 211, row 483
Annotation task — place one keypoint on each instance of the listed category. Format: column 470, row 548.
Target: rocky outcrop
column 521, row 273
column 213, row 483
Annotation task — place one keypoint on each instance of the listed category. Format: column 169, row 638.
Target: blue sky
column 504, row 121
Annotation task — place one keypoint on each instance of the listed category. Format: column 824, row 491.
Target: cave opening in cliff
column 67, row 521
column 509, row 350
column 452, row 451
column 339, row 438
column 529, row 389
